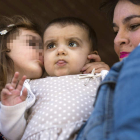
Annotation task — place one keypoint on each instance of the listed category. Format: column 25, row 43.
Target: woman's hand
column 97, row 64
column 10, row 95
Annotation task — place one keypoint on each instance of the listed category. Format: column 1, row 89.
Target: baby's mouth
column 61, row 63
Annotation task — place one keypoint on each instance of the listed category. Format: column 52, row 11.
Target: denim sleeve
column 127, row 100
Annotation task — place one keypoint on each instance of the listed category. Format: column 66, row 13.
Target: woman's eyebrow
column 129, row 18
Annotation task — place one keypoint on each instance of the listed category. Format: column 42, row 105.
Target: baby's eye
column 50, row 46
column 73, row 44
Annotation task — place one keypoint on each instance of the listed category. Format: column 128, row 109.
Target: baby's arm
column 98, row 65
column 13, row 106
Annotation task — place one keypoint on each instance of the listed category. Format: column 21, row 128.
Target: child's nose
column 61, row 50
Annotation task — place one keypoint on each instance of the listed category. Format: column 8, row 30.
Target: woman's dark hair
column 12, row 26
column 108, row 6
column 79, row 22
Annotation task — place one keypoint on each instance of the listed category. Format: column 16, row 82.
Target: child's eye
column 134, row 27
column 32, row 43
column 73, row 44
column 50, row 46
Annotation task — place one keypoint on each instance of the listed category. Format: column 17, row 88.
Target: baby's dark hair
column 108, row 6
column 10, row 29
column 79, row 22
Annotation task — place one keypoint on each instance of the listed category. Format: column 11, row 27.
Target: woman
column 116, row 115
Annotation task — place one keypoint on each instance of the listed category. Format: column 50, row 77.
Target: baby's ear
column 93, row 52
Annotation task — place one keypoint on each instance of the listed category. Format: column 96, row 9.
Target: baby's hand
column 10, row 95
column 98, row 65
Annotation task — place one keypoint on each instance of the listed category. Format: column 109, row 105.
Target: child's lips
column 41, row 62
column 61, row 63
column 124, row 54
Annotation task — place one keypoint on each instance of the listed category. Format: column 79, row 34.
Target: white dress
column 63, row 104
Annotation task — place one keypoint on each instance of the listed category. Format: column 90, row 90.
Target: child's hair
column 108, row 6
column 79, row 22
column 9, row 28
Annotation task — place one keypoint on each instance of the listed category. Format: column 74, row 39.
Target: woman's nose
column 121, row 38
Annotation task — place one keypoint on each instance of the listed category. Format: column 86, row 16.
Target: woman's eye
column 50, row 46
column 133, row 27
column 73, row 44
column 115, row 33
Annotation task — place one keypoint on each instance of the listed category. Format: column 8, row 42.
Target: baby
column 58, row 105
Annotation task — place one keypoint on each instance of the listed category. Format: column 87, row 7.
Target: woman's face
column 26, row 53
column 126, row 25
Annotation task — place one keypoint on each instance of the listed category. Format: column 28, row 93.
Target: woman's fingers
column 94, row 57
column 98, row 66
column 15, row 80
column 99, row 70
column 93, row 65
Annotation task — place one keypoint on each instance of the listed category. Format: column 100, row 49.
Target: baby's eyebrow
column 48, row 41
column 73, row 38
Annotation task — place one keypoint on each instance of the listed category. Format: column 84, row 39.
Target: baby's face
column 65, row 49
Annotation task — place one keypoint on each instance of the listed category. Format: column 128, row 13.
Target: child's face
column 26, row 53
column 65, row 49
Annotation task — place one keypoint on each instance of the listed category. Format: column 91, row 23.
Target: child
column 61, row 104
column 20, row 49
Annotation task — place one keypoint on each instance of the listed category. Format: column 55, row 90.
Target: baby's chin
column 64, row 73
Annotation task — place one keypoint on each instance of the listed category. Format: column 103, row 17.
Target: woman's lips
column 61, row 63
column 124, row 54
